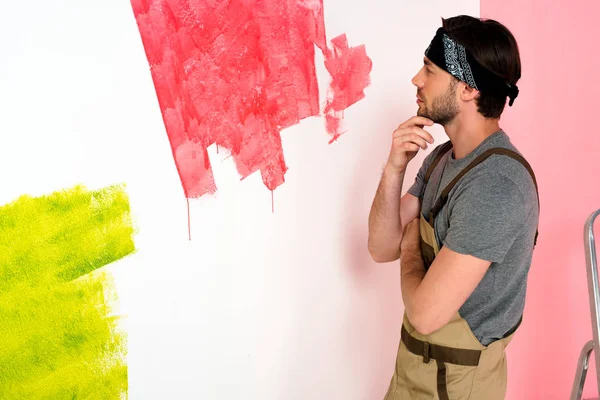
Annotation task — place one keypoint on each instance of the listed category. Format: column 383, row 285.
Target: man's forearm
column 385, row 225
column 412, row 272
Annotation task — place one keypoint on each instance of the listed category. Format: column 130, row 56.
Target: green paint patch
column 58, row 336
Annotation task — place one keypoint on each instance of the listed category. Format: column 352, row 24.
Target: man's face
column 436, row 93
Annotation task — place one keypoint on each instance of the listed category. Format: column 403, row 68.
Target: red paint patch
column 234, row 73
column 350, row 75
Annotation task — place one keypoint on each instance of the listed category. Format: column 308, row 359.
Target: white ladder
column 594, row 296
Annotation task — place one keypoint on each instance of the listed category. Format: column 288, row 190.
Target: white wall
column 258, row 305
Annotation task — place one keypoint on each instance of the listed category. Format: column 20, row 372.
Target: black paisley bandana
column 452, row 57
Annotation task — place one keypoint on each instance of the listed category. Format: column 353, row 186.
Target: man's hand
column 407, row 139
column 411, row 239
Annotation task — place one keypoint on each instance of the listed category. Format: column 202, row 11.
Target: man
column 466, row 229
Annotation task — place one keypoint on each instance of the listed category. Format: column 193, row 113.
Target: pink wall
column 554, row 123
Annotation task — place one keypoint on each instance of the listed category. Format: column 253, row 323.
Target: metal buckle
column 426, row 353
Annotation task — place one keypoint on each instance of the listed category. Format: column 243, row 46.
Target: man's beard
column 443, row 109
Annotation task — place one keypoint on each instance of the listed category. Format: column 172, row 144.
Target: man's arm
column 486, row 217
column 431, row 299
column 389, row 213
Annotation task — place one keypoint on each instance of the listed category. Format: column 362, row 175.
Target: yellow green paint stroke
column 58, row 336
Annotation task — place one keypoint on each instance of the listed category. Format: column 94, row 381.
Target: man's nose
column 417, row 80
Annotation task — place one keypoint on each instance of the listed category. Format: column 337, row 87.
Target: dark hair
column 495, row 48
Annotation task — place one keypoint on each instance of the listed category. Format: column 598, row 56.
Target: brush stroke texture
column 235, row 73
column 58, row 339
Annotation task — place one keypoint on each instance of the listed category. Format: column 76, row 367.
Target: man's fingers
column 412, row 226
column 416, row 120
column 420, row 132
column 410, row 146
column 412, row 222
column 411, row 138
column 423, row 133
column 418, row 140
column 402, row 132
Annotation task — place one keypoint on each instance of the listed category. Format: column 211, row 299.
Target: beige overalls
column 449, row 363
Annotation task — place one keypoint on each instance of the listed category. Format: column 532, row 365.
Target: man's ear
column 467, row 93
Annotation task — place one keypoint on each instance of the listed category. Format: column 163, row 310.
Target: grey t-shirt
column 491, row 214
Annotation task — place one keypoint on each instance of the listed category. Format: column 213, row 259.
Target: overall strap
column 482, row 157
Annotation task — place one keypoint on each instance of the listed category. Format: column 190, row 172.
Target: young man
column 466, row 229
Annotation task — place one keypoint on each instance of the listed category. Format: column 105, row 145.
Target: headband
column 452, row 57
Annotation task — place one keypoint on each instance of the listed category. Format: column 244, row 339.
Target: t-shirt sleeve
column 485, row 218
column 418, row 186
